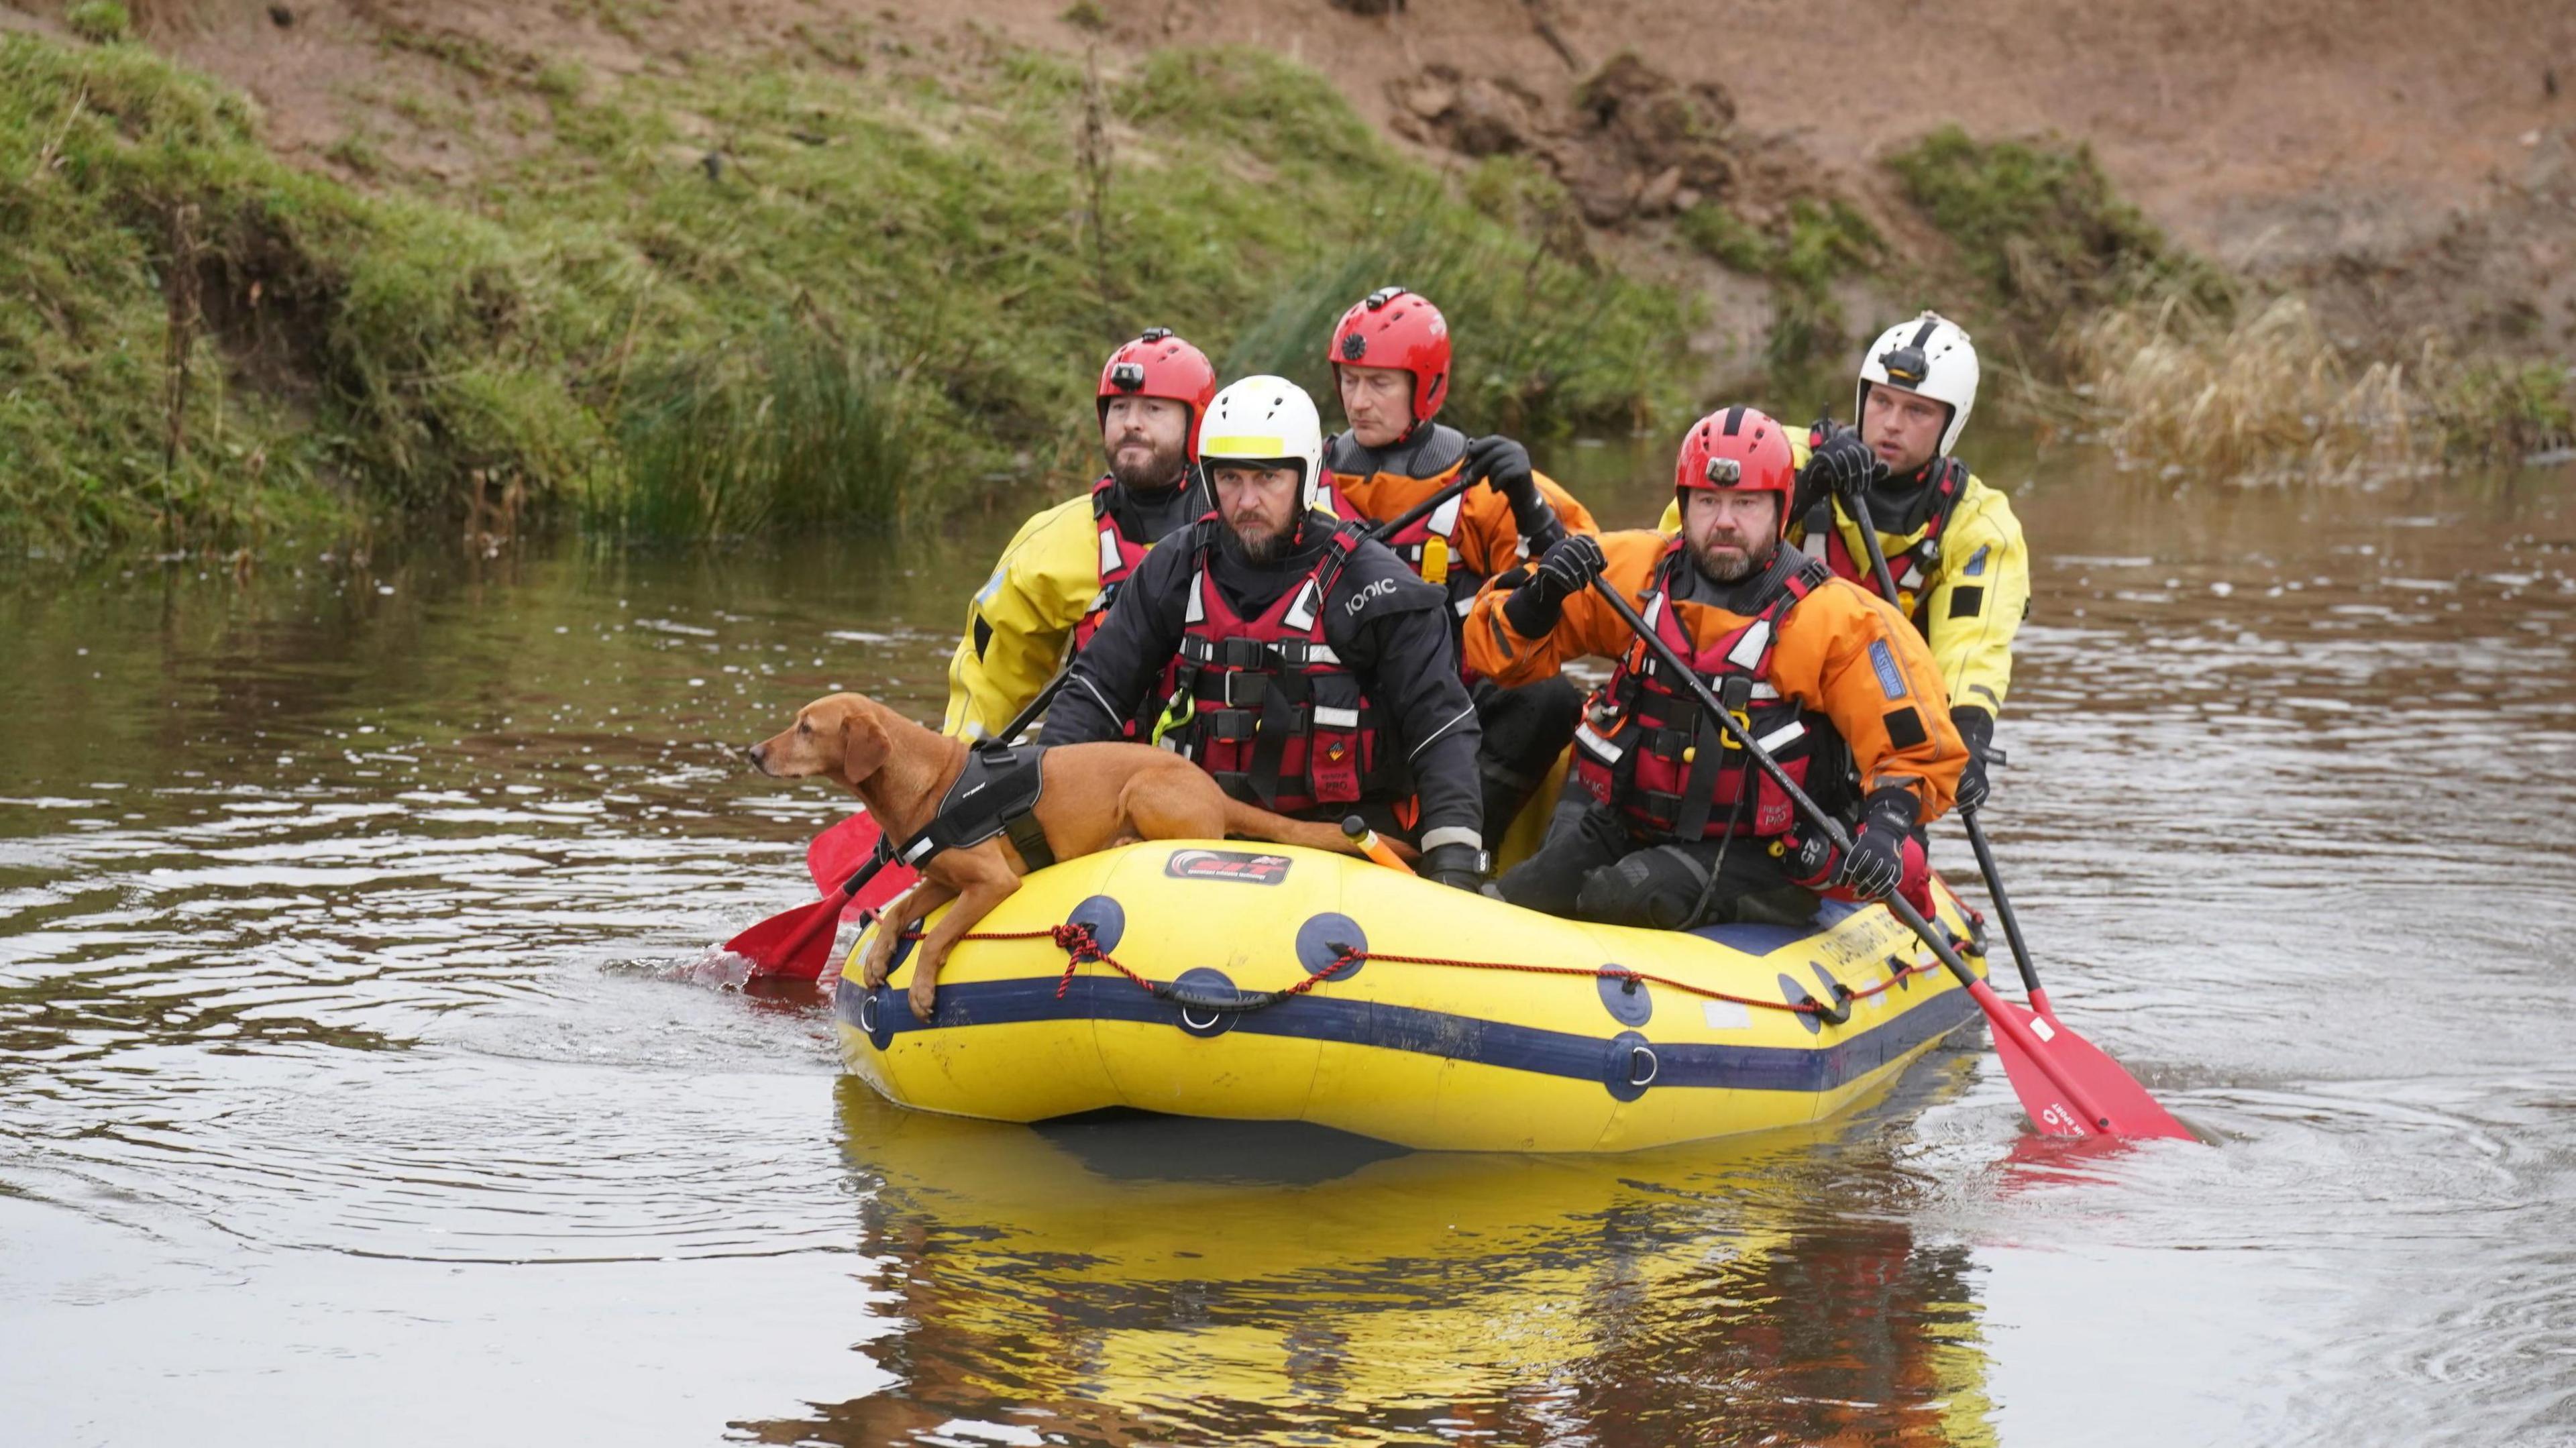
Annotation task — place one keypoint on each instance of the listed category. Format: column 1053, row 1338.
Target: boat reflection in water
column 1128, row 1279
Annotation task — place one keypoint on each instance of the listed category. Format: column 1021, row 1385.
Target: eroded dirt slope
column 2410, row 172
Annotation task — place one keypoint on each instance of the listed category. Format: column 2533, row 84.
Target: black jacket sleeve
column 1393, row 630
column 1124, row 660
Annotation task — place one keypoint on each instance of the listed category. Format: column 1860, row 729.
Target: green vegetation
column 2266, row 394
column 712, row 303
column 2041, row 229
column 2502, row 410
column 1811, row 247
column 100, row 22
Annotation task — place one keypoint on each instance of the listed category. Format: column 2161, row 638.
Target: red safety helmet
column 1158, row 364
column 1392, row 327
column 1738, row 449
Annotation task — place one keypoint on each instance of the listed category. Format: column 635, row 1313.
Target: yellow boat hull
column 1470, row 1056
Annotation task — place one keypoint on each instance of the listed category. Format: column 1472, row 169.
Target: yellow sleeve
column 1017, row 624
column 1978, row 597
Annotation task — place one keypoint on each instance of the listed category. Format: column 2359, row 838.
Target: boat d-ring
column 868, row 1013
column 1193, row 1020
column 1646, row 1053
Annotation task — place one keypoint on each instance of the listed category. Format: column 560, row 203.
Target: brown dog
column 1095, row 796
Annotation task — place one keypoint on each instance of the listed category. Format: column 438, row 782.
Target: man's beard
column 1269, row 547
column 1158, row 474
column 1733, row 566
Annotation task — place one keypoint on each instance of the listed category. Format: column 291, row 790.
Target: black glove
column 1844, row 465
column 1458, row 865
column 1505, row 467
column 1875, row 864
column 1568, row 569
column 1977, row 730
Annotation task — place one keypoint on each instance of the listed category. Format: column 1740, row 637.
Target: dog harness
column 997, row 794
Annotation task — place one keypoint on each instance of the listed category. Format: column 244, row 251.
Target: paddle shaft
column 1425, row 508
column 2003, row 908
column 827, row 913
column 1835, row 835
column 1869, row 539
column 1968, row 817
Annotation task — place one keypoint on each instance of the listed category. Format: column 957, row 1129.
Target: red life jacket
column 1266, row 706
column 1118, row 559
column 1912, row 568
column 1411, row 544
column 1646, row 749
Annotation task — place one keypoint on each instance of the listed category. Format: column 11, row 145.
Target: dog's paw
column 874, row 964
column 925, row 997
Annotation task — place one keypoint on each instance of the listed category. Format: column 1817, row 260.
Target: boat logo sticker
column 1239, row 865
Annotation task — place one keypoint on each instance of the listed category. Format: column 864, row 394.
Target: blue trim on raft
column 1318, row 1017
column 1764, row 939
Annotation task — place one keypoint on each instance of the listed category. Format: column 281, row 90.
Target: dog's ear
column 864, row 745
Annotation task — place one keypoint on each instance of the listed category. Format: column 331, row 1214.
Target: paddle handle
column 1356, row 830
column 1834, row 833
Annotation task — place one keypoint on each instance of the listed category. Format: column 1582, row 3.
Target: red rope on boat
column 1080, row 948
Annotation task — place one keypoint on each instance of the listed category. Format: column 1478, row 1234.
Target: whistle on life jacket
column 1178, row 710
column 1736, row 693
column 1435, row 560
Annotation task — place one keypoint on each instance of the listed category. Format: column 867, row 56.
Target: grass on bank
column 1811, row 247
column 2178, row 365
column 2270, row 397
column 2042, row 229
column 729, row 300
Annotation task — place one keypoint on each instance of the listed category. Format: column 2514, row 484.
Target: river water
column 353, row 1084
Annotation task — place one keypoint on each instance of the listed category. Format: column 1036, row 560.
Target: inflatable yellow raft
column 1222, row 980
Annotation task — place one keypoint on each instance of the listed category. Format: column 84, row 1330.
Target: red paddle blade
column 889, row 881
column 796, row 944
column 2065, row 1082
column 838, row 852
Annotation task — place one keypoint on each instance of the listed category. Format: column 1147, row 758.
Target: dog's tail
column 1253, row 822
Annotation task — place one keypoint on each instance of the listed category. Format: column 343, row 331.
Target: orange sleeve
column 1853, row 658
column 1495, row 649
column 1569, row 509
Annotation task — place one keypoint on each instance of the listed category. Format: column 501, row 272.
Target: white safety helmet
column 1265, row 420
column 1930, row 355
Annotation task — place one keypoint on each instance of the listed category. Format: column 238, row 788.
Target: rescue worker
column 1063, row 568
column 1301, row 664
column 1391, row 365
column 1683, row 829
column 1953, row 547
